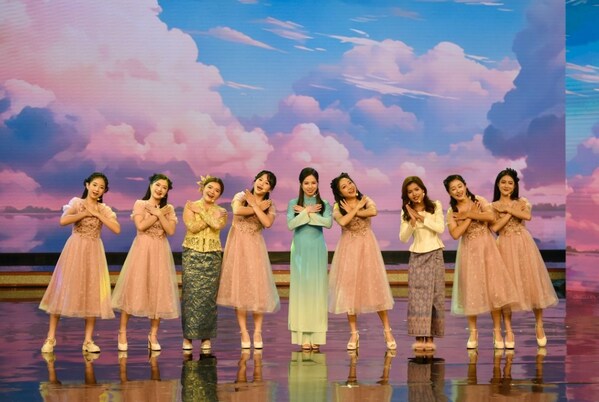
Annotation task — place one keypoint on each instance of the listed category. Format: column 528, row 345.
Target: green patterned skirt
column 201, row 276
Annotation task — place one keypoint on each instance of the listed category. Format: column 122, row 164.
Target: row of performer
column 495, row 275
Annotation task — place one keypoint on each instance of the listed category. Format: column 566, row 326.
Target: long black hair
column 272, row 180
column 452, row 202
column 91, row 178
column 514, row 175
column 308, row 171
column 337, row 192
column 429, row 206
column 153, row 179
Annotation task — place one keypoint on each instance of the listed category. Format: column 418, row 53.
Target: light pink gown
column 358, row 279
column 481, row 282
column 524, row 262
column 147, row 285
column 80, row 283
column 246, row 280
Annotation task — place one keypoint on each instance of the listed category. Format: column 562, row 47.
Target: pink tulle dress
column 80, row 283
column 358, row 279
column 246, row 280
column 481, row 282
column 524, row 262
column 147, row 285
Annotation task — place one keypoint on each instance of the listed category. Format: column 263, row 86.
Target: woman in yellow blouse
column 202, row 259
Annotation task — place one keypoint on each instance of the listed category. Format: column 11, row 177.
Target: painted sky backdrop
column 379, row 89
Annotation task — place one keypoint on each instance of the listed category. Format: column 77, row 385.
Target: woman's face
column 95, row 188
column 415, row 193
column 457, row 190
column 506, row 185
column 310, row 186
column 262, row 185
column 347, row 188
column 211, row 192
column 159, row 189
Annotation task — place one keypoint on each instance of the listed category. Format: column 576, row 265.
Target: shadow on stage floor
column 567, row 369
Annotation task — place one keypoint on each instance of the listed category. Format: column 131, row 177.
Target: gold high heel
column 154, row 347
column 498, row 339
column 356, row 344
column 510, row 344
column 472, row 343
column 542, row 342
column 391, row 345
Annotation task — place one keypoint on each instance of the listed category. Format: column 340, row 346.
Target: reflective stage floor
column 567, row 369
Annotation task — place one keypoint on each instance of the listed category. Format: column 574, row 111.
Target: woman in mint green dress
column 306, row 216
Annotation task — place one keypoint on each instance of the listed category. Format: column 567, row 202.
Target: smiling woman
column 80, row 285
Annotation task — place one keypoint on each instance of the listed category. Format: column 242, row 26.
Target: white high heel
column 472, row 343
column 542, row 342
column 391, row 345
column 356, row 344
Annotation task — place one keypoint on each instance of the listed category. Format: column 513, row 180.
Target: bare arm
column 266, row 219
column 108, row 219
column 456, row 227
column 343, row 220
column 369, row 210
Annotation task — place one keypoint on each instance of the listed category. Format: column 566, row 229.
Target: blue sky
column 482, row 30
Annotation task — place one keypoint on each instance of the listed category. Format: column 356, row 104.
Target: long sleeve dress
column 426, row 274
column 80, row 283
column 147, row 285
column 247, row 282
column 524, row 262
column 202, row 259
column 308, row 284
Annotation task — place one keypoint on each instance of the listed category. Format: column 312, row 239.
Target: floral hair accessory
column 203, row 181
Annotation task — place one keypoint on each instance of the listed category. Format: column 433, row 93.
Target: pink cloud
column 22, row 93
column 583, row 204
column 387, row 117
column 134, row 92
column 392, row 67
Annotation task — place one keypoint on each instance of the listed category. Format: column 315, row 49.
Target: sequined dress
column 80, row 283
column 202, row 259
column 524, row 262
column 246, row 280
column 147, row 285
column 481, row 282
column 358, row 279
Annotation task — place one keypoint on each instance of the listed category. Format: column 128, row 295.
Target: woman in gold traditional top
column 202, row 258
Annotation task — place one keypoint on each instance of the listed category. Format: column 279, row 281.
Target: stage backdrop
column 378, row 89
